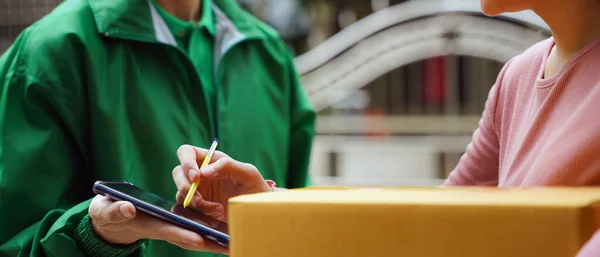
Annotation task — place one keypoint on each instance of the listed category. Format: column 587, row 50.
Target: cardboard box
column 422, row 222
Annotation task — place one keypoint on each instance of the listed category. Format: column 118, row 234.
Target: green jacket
column 97, row 91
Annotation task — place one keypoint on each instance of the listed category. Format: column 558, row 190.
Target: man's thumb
column 121, row 211
column 127, row 210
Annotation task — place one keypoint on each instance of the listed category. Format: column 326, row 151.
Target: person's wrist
column 116, row 237
column 93, row 245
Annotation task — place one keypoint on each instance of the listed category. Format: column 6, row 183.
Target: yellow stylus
column 206, row 161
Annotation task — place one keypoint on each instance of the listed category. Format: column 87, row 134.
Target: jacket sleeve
column 302, row 130
column 44, row 179
column 480, row 163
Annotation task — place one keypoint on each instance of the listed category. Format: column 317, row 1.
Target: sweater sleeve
column 478, row 166
column 592, row 247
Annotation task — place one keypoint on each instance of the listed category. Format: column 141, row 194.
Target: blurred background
column 399, row 86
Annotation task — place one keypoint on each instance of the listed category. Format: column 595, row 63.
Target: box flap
column 569, row 197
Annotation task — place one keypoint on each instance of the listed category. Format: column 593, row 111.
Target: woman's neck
column 573, row 24
column 187, row 10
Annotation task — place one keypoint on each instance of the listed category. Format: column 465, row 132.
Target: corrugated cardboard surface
column 452, row 222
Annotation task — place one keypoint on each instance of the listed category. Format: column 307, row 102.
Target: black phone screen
column 140, row 194
column 167, row 205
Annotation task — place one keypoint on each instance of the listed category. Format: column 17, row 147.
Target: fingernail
column 123, row 210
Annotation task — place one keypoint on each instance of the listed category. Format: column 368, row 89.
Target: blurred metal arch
column 409, row 32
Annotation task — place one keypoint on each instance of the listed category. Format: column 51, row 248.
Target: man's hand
column 120, row 223
column 222, row 179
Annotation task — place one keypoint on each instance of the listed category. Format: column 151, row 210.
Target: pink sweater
column 539, row 131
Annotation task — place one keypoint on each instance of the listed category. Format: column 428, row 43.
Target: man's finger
column 180, row 196
column 226, row 168
column 213, row 247
column 104, row 211
column 182, row 182
column 187, row 246
column 158, row 229
column 209, row 246
column 189, row 162
column 174, row 233
column 161, row 230
column 201, row 153
column 198, row 203
column 183, row 185
column 118, row 212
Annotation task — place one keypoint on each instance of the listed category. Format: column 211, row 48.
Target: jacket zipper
column 188, row 64
column 216, row 80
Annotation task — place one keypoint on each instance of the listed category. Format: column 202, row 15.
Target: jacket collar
column 139, row 20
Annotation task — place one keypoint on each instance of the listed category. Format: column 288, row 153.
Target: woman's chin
column 491, row 8
column 497, row 7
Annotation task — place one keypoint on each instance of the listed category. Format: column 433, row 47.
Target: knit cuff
column 93, row 245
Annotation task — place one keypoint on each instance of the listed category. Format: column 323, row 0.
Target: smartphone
column 166, row 210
